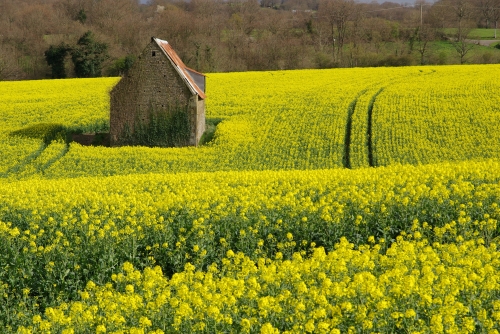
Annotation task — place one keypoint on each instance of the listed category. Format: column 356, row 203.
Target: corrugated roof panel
column 198, row 78
column 183, row 70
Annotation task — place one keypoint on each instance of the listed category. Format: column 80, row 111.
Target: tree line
column 85, row 38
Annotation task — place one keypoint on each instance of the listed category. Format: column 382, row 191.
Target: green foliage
column 81, row 16
column 497, row 46
column 163, row 128
column 481, row 33
column 121, row 65
column 210, row 129
column 324, row 60
column 88, row 56
column 101, row 139
column 55, row 57
column 392, row 60
column 45, row 131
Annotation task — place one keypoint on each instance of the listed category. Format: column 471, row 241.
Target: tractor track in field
column 55, row 159
column 346, row 157
column 32, row 157
column 347, row 154
column 26, row 161
column 369, row 133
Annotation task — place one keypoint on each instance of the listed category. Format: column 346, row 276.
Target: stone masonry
column 154, row 85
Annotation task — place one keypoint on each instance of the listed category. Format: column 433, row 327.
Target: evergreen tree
column 88, row 56
column 55, row 57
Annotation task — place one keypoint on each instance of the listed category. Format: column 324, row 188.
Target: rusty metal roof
column 181, row 68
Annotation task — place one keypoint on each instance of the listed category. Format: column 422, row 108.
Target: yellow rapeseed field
column 69, row 232
column 277, row 226
column 450, row 114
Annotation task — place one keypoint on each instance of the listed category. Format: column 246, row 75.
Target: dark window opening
column 153, row 54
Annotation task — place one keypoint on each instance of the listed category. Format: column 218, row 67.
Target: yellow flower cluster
column 414, row 287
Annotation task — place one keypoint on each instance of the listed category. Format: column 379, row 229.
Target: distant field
column 330, row 201
column 443, row 52
column 477, row 33
column 310, row 119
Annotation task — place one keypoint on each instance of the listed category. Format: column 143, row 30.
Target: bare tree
column 9, row 69
column 485, row 8
column 495, row 14
column 425, row 34
column 463, row 11
column 355, row 34
column 439, row 14
column 462, row 44
column 337, row 13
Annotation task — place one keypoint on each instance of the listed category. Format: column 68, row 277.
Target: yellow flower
column 310, row 326
column 410, row 313
column 129, row 288
column 128, row 267
column 267, row 328
column 246, row 324
column 100, row 329
column 145, row 322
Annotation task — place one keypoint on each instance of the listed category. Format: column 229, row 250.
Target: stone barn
column 158, row 102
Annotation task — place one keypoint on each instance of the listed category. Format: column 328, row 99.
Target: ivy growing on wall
column 167, row 128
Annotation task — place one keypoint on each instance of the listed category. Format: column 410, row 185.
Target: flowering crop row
column 360, row 145
column 259, row 231
column 56, row 235
column 76, row 103
column 450, row 114
column 272, row 120
column 414, row 287
column 284, row 120
column 16, row 152
column 80, row 104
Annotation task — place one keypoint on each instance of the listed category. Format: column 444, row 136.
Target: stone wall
column 152, row 85
column 196, row 119
column 200, row 120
